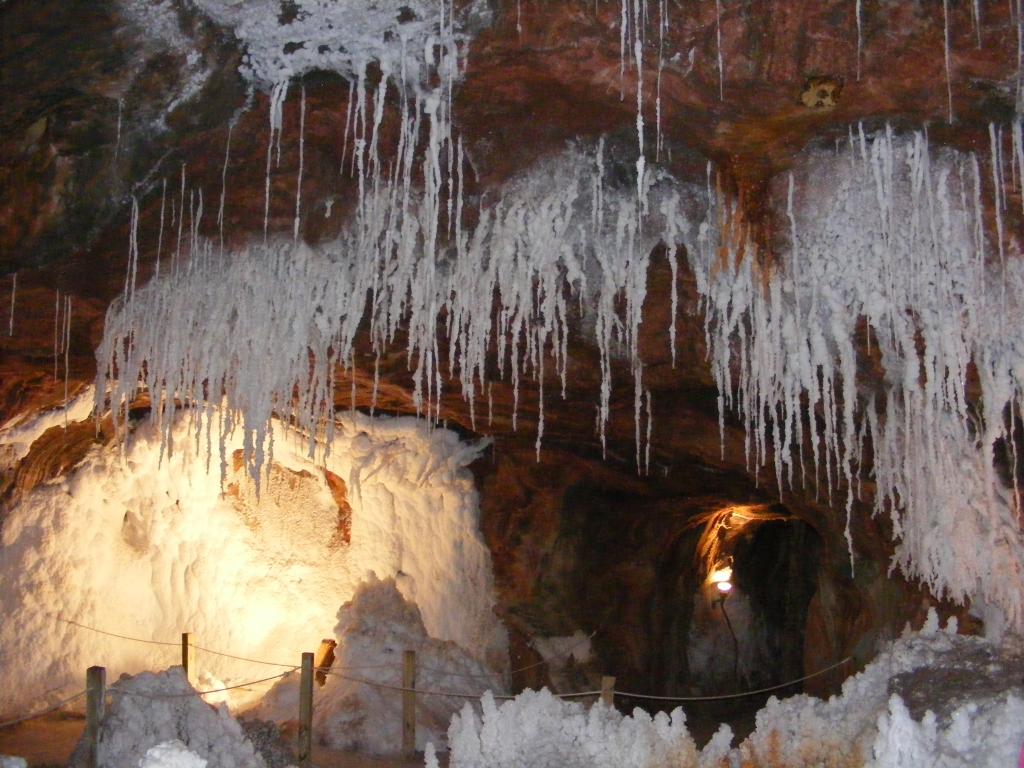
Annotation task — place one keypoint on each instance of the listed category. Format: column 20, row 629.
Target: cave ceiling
column 94, row 113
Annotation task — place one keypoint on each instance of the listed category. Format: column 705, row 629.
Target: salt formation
column 373, row 630
column 971, row 700
column 539, row 730
column 930, row 698
column 152, row 709
column 14, row 295
column 128, row 545
column 559, row 231
column 171, row 754
column 893, row 232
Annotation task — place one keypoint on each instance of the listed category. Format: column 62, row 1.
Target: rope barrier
column 114, row 634
column 291, row 665
column 54, row 708
column 452, row 694
column 650, row 697
column 403, row 689
column 517, row 670
column 338, row 672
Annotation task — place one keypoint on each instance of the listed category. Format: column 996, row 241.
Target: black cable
column 735, row 643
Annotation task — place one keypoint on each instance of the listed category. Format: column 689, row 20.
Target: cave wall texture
column 94, row 113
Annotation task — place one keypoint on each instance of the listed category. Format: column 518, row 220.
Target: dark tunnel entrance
column 636, row 572
column 747, row 625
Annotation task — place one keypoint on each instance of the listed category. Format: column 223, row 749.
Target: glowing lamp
column 722, row 576
column 723, row 586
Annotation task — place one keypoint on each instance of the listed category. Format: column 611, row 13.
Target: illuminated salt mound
column 373, row 631
column 126, row 545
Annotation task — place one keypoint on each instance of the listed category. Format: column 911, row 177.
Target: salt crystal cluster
column 893, row 232
column 151, row 709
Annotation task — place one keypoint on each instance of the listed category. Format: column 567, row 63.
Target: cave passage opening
column 640, row 574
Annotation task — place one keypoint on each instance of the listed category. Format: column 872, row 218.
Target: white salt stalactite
column 349, row 110
column 523, row 251
column 647, row 438
column 623, row 37
column 662, row 28
column 14, row 295
column 638, row 56
column 897, row 238
column 302, row 148
column 67, row 353
column 1020, row 55
column 133, row 253
column 947, row 52
column 718, row 41
column 160, row 235
column 223, row 188
column 859, row 10
column 1018, row 153
column 276, row 117
column 117, row 139
column 176, row 258
column 997, row 190
column 56, row 331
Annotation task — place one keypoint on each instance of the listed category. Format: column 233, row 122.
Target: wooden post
column 306, row 711
column 608, row 691
column 96, row 692
column 188, row 658
column 409, row 704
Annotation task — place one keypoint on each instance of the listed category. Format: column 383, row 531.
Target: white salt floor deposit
column 154, row 721
column 133, row 547
column 171, row 754
column 933, row 698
